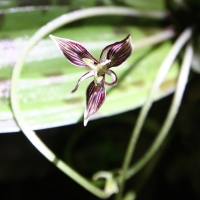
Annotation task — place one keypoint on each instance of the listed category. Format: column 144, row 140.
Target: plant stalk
column 171, row 114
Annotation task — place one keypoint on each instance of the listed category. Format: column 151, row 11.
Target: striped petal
column 117, row 52
column 95, row 96
column 73, row 51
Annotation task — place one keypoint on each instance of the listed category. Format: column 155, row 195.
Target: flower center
column 99, row 69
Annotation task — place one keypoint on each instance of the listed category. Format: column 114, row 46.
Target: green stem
column 45, row 30
column 171, row 115
column 184, row 37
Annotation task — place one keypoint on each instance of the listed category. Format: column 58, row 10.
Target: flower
column 112, row 55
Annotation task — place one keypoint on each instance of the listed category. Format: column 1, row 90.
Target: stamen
column 102, row 64
column 101, row 67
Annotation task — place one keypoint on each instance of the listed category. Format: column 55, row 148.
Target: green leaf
column 32, row 19
column 48, row 78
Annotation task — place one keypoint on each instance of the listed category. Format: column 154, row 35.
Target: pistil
column 99, row 69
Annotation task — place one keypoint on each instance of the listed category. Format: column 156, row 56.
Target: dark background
column 172, row 174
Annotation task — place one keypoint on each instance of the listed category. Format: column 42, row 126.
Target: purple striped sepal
column 112, row 55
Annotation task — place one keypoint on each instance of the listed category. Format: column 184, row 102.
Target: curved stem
column 184, row 37
column 48, row 28
column 181, row 84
